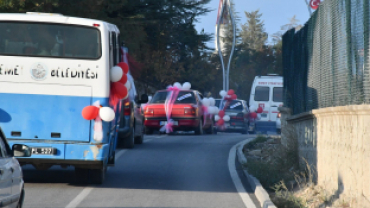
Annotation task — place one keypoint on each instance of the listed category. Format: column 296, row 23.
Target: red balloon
column 259, row 110
column 220, row 122
column 253, row 115
column 123, row 66
column 119, row 90
column 221, row 113
column 231, row 92
column 90, row 112
column 123, row 80
column 234, row 97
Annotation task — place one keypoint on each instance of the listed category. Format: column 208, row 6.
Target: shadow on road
column 187, row 163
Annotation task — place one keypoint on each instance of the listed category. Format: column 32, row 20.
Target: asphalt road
column 165, row 171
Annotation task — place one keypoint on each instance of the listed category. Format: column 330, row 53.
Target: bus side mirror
column 20, row 150
column 143, row 99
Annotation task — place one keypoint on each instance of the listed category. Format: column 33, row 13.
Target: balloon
column 230, row 92
column 259, row 110
column 90, row 112
column 216, row 110
column 128, row 85
column 115, row 74
column 123, row 66
column 226, row 118
column 106, row 114
column 221, row 113
column 220, row 122
column 119, row 90
column 206, row 102
column 212, row 101
column 186, row 86
column 234, row 97
column 123, row 80
column 253, row 115
column 213, row 110
column 258, row 116
column 178, row 85
column 217, row 118
column 223, row 93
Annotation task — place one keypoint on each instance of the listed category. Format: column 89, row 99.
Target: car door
column 262, row 99
column 275, row 102
column 6, row 174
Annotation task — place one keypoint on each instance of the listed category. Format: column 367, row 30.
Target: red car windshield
column 183, row 97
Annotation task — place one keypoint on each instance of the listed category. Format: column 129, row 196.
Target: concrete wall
column 336, row 142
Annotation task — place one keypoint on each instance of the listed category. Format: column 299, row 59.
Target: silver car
column 11, row 177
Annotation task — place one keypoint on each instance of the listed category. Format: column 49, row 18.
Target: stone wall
column 336, row 143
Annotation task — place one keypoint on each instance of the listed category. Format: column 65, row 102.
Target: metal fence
column 326, row 63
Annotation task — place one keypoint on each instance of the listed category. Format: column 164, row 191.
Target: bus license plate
column 43, row 151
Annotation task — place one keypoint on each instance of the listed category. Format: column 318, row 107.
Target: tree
column 252, row 34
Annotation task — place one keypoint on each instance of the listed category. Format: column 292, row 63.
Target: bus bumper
column 79, row 155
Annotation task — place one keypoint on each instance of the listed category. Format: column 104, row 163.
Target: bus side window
column 114, row 42
column 110, row 50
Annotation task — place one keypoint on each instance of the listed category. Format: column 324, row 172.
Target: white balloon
column 217, row 117
column 223, row 93
column 186, row 86
column 106, row 114
column 217, row 110
column 213, row 101
column 128, row 85
column 226, row 118
column 206, row 102
column 258, row 116
column 116, row 74
column 211, row 110
column 178, row 85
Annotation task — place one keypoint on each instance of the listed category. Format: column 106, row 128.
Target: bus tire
column 97, row 176
column 129, row 141
column 82, row 175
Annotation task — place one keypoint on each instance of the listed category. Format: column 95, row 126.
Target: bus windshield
column 49, row 40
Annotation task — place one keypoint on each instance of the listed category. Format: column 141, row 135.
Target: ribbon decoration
column 173, row 92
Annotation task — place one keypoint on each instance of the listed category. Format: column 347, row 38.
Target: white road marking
column 86, row 191
column 81, row 196
column 237, row 182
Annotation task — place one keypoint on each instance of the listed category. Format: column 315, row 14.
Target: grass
column 288, row 185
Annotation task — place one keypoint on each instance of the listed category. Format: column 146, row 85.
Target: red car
column 187, row 113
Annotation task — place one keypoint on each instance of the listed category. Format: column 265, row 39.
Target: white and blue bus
column 51, row 67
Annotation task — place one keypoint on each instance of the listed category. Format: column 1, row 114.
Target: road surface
column 165, row 171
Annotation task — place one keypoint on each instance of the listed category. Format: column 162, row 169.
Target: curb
column 261, row 194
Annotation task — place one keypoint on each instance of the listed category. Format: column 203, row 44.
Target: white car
column 11, row 177
column 267, row 93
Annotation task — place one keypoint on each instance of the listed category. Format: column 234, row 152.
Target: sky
column 275, row 13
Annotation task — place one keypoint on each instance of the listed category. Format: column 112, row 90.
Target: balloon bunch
column 120, row 85
column 172, row 93
column 209, row 108
column 228, row 97
column 98, row 113
column 255, row 112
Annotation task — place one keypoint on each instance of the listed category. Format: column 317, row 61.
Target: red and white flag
column 314, row 4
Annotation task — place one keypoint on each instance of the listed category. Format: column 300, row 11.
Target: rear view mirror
column 144, row 98
column 20, row 150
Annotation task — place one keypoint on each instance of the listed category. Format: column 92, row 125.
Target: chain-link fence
column 326, row 63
